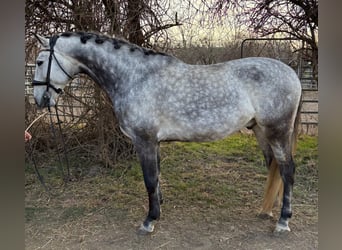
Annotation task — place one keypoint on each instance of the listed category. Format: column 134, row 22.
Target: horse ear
column 44, row 42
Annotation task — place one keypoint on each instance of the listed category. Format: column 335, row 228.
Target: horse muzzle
column 44, row 101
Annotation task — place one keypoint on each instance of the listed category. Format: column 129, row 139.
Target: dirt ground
column 103, row 210
column 176, row 230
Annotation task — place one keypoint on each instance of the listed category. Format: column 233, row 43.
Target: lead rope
column 53, row 129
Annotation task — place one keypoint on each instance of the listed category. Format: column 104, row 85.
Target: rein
column 65, row 176
column 47, row 82
column 47, row 96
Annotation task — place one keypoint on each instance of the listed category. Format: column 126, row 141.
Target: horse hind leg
column 280, row 141
column 274, row 185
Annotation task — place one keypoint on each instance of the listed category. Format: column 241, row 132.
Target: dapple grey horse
column 157, row 97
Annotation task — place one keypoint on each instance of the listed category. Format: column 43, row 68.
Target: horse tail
column 296, row 126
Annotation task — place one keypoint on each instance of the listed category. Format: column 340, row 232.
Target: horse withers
column 157, row 97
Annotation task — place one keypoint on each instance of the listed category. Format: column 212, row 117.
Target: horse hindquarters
column 148, row 153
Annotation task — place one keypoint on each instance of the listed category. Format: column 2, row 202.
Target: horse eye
column 39, row 63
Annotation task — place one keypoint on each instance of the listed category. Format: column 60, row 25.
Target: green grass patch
column 222, row 174
column 31, row 213
column 237, row 144
column 306, row 178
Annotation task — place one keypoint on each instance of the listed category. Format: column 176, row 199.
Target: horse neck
column 109, row 67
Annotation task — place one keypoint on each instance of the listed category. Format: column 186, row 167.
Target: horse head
column 54, row 69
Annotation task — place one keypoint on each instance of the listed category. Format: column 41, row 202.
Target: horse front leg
column 148, row 153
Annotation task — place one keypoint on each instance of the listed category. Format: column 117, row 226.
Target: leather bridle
column 47, row 82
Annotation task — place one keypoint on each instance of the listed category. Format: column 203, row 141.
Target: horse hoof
column 145, row 230
column 281, row 229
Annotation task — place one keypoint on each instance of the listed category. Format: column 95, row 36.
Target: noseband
column 47, row 83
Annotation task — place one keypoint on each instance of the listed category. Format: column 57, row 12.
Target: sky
column 197, row 29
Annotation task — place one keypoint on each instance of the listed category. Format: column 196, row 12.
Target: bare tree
column 47, row 17
column 135, row 20
column 294, row 18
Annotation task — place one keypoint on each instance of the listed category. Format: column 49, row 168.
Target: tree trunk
column 112, row 12
column 132, row 29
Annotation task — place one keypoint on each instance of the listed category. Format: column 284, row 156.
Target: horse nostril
column 46, row 96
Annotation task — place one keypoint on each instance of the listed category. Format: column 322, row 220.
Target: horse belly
column 205, row 128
